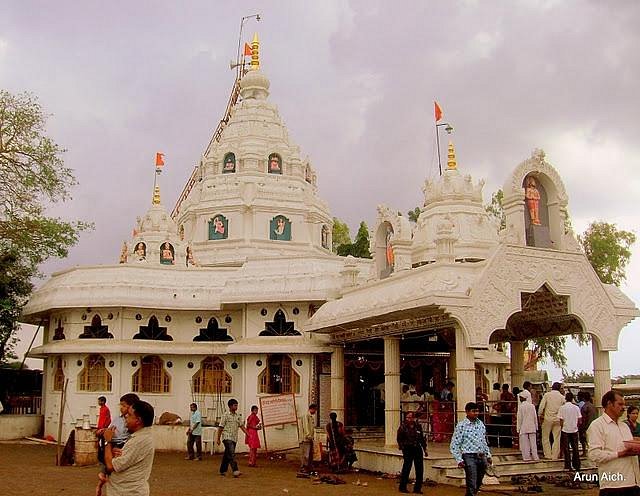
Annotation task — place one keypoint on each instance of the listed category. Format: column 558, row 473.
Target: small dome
column 254, row 84
column 157, row 219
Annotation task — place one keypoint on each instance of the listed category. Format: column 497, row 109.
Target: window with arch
column 229, row 163
column 96, row 330
column 94, row 376
column 153, row 331
column 212, row 377
column 58, row 376
column 279, row 377
column 279, row 327
column 275, row 164
column 151, row 377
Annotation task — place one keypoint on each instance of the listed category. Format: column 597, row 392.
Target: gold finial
column 255, row 53
column 451, row 158
column 156, row 195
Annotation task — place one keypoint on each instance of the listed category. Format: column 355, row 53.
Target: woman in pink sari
column 252, row 439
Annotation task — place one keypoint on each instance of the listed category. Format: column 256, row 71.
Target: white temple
column 238, row 294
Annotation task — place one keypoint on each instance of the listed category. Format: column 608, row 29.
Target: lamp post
column 240, row 62
column 449, row 129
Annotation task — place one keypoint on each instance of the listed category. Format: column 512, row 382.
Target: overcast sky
column 355, row 83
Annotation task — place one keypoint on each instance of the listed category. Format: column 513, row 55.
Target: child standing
column 252, row 439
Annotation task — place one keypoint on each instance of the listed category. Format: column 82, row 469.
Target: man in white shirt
column 526, row 391
column 618, row 470
column 527, row 426
column 569, row 415
column 548, row 413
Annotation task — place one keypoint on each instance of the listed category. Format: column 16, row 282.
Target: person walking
column 527, row 427
column 548, row 413
column 469, row 448
column 335, row 440
column 589, row 414
column 194, row 434
column 569, row 415
column 252, row 439
column 129, row 472
column 307, row 427
column 414, row 447
column 228, row 432
column 618, row 470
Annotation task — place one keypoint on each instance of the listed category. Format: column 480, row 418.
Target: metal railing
column 22, row 405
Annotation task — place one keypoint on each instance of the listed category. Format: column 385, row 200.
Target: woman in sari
column 336, row 442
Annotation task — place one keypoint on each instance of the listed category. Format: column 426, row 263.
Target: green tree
column 608, row 250
column 496, row 209
column 340, row 234
column 32, row 176
column 360, row 247
column 575, row 376
column 414, row 214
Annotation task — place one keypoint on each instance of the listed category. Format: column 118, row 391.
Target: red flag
column 159, row 159
column 247, row 50
column 438, row 111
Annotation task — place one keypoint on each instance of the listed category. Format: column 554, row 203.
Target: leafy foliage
column 575, row 376
column 360, row 247
column 414, row 214
column 608, row 250
column 496, row 209
column 32, row 175
column 340, row 234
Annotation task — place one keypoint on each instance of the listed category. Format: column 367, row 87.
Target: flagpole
column 438, row 146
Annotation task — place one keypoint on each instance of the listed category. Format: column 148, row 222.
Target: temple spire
column 451, row 158
column 156, row 195
column 255, row 53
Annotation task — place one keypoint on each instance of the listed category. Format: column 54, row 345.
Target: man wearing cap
column 527, row 426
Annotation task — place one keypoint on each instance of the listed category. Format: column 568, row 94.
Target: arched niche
column 280, row 228
column 274, row 164
column 229, row 163
column 384, row 254
column 218, row 227
column 167, row 254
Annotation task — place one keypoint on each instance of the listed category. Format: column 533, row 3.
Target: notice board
column 279, row 422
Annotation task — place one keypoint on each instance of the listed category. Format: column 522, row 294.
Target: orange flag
column 159, row 159
column 247, row 50
column 438, row 111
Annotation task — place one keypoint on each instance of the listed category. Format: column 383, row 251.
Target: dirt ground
column 29, row 470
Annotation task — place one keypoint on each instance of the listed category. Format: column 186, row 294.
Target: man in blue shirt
column 194, row 433
column 469, row 448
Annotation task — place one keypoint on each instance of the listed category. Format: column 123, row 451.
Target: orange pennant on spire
column 247, row 50
column 438, row 111
column 159, row 159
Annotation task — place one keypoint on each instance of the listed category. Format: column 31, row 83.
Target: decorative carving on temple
column 218, row 227
column 274, row 164
column 96, row 330
column 229, row 163
column 190, row 260
column 280, row 228
column 167, row 254
column 124, row 253
column 279, row 326
column 140, row 252
column 213, row 333
column 153, row 331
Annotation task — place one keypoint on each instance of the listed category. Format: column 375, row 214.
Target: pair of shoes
column 188, row 458
column 403, row 490
column 236, row 473
column 417, row 491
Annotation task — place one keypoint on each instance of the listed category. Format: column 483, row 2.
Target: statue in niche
column 325, row 237
column 280, row 228
column 141, row 252
column 167, row 256
column 189, row 259
column 229, row 163
column 153, row 331
column 218, row 227
column 124, row 253
column 213, row 333
column 389, row 255
column 532, row 199
column 181, row 233
column 275, row 164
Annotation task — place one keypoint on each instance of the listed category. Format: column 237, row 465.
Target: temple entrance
column 424, row 368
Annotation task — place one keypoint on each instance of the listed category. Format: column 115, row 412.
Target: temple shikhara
column 236, row 291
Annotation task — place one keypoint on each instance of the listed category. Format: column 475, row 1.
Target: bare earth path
column 29, row 470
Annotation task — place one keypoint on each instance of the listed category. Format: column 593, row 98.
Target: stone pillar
column 465, row 373
column 601, row 372
column 517, row 364
column 391, row 390
column 337, row 382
